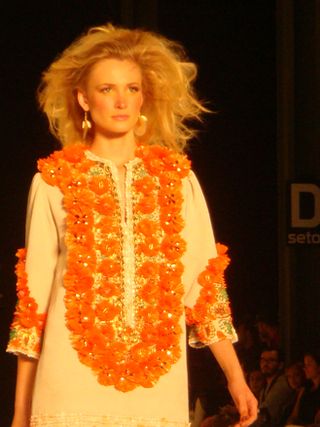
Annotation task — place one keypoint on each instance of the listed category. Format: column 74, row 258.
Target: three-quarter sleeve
column 207, row 304
column 35, row 271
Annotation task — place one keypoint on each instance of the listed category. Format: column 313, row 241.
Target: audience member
column 296, row 379
column 307, row 404
column 276, row 396
column 268, row 330
column 296, row 376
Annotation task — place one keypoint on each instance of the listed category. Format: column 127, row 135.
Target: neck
column 119, row 149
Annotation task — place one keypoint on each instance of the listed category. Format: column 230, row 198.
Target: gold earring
column 86, row 125
column 141, row 125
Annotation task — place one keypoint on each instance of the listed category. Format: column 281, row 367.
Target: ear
column 82, row 99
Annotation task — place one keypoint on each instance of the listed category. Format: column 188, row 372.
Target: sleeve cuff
column 24, row 341
column 202, row 335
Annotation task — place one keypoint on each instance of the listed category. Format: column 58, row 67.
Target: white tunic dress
column 80, row 380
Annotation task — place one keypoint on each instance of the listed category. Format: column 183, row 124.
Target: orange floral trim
column 27, row 325
column 94, row 277
column 211, row 315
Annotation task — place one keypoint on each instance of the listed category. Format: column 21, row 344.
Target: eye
column 134, row 89
column 106, row 89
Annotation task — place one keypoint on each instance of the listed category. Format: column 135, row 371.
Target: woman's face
column 295, row 377
column 311, row 368
column 113, row 96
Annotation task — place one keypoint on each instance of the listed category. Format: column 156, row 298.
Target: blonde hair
column 170, row 102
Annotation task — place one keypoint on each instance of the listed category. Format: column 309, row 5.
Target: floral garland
column 26, row 317
column 113, row 350
column 212, row 303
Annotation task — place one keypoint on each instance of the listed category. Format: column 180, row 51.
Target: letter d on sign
column 296, row 220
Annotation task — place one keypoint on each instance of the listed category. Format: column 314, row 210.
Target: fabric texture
column 102, row 286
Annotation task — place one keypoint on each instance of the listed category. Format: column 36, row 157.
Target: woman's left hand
column 245, row 402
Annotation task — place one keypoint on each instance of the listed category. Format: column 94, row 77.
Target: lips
column 120, row 117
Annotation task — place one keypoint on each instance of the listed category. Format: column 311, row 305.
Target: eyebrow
column 115, row 84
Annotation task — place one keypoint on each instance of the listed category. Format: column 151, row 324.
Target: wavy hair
column 170, row 102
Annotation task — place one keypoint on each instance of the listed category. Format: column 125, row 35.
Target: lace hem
column 83, row 420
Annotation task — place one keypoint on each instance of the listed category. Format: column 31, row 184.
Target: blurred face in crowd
column 256, row 382
column 269, row 363
column 311, row 368
column 268, row 333
column 295, row 376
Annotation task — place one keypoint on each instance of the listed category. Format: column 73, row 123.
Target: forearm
column 227, row 358
column 26, row 371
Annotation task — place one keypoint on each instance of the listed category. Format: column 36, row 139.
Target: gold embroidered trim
column 84, row 420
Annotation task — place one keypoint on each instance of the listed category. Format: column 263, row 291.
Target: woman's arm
column 243, row 398
column 26, row 372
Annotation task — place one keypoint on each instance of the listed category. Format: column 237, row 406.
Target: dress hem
column 87, row 420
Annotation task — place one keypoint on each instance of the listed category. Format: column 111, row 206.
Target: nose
column 120, row 101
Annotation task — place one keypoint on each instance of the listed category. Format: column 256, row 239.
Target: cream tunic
column 66, row 392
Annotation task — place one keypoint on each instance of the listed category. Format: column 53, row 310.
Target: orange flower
column 106, row 311
column 171, row 223
column 105, row 205
column 145, row 185
column 149, row 269
column 173, row 246
column 109, row 248
column 108, row 225
column 109, row 267
column 150, row 314
column 108, row 289
column 172, row 197
column 99, row 185
column 149, row 247
column 171, row 271
column 146, row 227
column 147, row 204
column 150, row 292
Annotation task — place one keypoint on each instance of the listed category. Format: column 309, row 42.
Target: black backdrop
column 233, row 42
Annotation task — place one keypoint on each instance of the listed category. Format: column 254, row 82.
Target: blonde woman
column 119, row 247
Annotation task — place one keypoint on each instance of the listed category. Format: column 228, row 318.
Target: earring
column 141, row 125
column 86, row 125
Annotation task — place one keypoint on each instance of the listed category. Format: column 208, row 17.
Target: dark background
column 234, row 44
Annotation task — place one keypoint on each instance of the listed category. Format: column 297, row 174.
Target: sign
column 304, row 214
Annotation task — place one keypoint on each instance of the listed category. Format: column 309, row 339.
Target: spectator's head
column 247, row 333
column 271, row 362
column 311, row 362
column 256, row 382
column 295, row 375
column 268, row 331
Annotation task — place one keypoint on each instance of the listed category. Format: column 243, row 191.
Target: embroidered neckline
column 94, row 254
